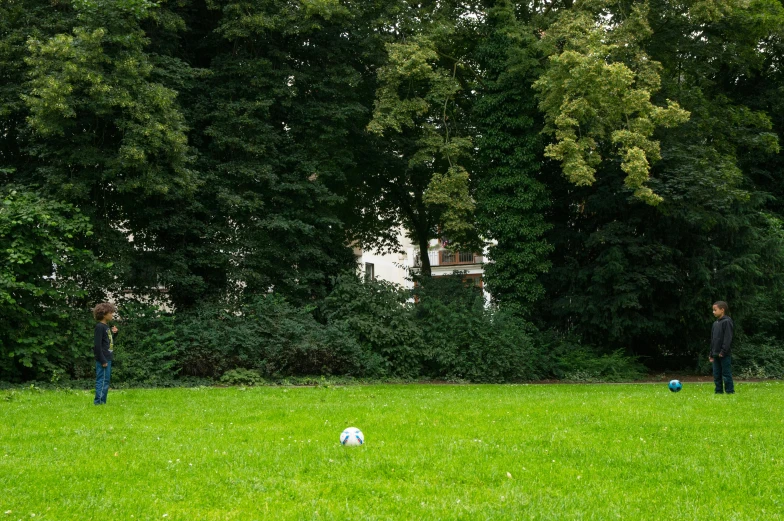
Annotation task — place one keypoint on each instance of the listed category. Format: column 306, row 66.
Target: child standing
column 104, row 349
column 721, row 349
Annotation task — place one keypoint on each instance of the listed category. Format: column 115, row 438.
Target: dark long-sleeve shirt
column 104, row 343
column 721, row 337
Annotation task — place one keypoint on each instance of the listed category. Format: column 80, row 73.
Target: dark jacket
column 721, row 337
column 104, row 343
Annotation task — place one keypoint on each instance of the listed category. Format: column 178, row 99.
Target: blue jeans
column 722, row 370
column 102, row 377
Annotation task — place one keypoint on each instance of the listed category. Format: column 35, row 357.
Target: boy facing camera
column 721, row 349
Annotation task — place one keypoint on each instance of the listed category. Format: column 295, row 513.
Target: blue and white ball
column 352, row 437
column 675, row 385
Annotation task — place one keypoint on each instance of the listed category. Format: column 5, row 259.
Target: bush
column 42, row 323
column 378, row 316
column 271, row 336
column 579, row 363
column 366, row 330
column 466, row 340
column 242, row 377
column 759, row 356
column 146, row 351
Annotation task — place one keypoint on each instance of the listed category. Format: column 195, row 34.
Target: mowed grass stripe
column 431, row 452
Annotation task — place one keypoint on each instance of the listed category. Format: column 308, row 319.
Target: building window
column 476, row 280
column 370, row 271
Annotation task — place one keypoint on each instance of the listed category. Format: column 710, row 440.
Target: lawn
column 437, row 452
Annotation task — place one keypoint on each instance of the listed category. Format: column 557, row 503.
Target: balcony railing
column 432, row 255
column 448, row 258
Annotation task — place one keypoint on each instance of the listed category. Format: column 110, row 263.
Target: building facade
column 396, row 267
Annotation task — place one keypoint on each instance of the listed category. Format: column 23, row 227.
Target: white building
column 395, row 267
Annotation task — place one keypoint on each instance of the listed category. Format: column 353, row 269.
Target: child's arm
column 727, row 340
column 98, row 348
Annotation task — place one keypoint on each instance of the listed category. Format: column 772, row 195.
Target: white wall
column 393, row 267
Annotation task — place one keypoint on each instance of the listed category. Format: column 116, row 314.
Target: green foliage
column 242, row 377
column 92, row 89
column 90, row 125
column 42, row 262
column 136, row 8
column 422, row 99
column 758, row 351
column 371, row 330
column 578, row 363
column 378, row 315
column 147, row 350
column 447, row 333
column 511, row 196
column 278, row 123
column 596, row 96
column 467, row 341
column 629, row 276
column 758, row 357
column 268, row 335
column 225, row 151
column 451, row 192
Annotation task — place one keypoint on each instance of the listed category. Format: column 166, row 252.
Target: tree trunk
column 423, row 256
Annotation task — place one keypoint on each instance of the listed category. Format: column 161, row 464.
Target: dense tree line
column 623, row 155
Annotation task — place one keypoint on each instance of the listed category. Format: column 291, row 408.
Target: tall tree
column 280, row 126
column 103, row 134
column 423, row 101
column 627, row 274
column 512, row 197
column 596, row 93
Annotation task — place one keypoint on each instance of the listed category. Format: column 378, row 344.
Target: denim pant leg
column 726, row 373
column 717, row 374
column 100, row 375
column 106, row 380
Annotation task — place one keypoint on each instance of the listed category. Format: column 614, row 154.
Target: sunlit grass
column 431, row 452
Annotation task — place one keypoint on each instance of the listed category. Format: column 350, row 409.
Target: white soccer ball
column 352, row 437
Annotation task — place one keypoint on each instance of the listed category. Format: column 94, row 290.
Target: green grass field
column 431, row 452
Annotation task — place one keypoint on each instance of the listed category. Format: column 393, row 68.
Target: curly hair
column 102, row 309
column 722, row 305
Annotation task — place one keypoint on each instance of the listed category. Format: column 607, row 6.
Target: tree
column 277, row 128
column 43, row 264
column 421, row 110
column 512, row 197
column 103, row 134
column 596, row 94
column 629, row 275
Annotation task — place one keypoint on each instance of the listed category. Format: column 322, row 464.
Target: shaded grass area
column 431, row 452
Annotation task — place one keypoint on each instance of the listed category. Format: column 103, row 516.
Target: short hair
column 102, row 309
column 722, row 305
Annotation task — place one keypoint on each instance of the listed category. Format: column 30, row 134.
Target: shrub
column 758, row 356
column 579, row 363
column 467, row 340
column 42, row 273
column 378, row 316
column 271, row 336
column 146, row 351
column 242, row 377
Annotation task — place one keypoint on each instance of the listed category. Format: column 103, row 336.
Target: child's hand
column 114, row 329
column 710, row 359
